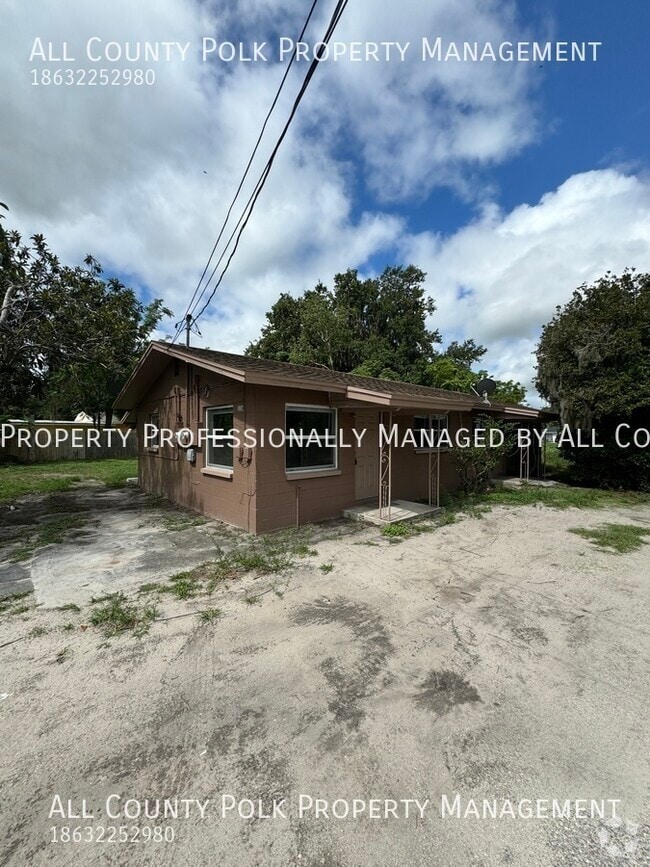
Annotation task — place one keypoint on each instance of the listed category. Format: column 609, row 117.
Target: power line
column 250, row 205
column 248, row 166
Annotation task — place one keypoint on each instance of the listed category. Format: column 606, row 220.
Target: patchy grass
column 151, row 587
column 69, row 606
column 11, row 604
column 37, row 631
column 615, row 538
column 117, row 615
column 176, row 523
column 210, row 615
column 252, row 600
column 68, row 627
column 563, row 497
column 17, row 480
column 52, row 533
column 183, row 585
column 326, row 567
column 63, row 654
column 397, row 531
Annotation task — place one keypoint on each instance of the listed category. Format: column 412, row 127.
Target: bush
column 476, row 465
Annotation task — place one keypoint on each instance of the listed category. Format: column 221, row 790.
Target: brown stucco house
column 262, row 487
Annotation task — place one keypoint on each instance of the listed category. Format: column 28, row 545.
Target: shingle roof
column 324, row 375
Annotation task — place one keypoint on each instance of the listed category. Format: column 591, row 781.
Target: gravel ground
column 498, row 658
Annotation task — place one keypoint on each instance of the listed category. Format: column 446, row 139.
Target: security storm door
column 366, row 471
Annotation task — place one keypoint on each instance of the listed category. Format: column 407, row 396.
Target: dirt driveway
column 499, row 658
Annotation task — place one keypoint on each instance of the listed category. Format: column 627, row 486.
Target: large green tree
column 374, row 327
column 593, row 363
column 68, row 337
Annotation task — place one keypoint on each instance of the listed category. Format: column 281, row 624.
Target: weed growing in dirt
column 37, row 631
column 326, row 567
column 252, row 600
column 210, row 615
column 9, row 604
column 68, row 627
column 175, row 523
column 615, row 538
column 396, row 531
column 118, row 615
column 63, row 654
column 69, row 606
column 183, row 585
column 151, row 587
column 53, row 533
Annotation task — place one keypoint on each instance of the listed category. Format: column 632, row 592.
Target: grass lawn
column 564, row 497
column 16, row 480
column 616, row 538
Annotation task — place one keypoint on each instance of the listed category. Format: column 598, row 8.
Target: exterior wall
column 282, row 499
column 166, row 471
column 260, row 496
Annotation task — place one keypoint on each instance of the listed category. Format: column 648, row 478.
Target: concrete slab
column 119, row 540
column 516, row 482
column 400, row 510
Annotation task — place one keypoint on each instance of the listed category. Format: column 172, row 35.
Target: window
column 154, row 435
column 427, row 430
column 219, row 422
column 311, row 438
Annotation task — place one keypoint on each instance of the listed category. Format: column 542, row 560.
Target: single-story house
column 260, row 485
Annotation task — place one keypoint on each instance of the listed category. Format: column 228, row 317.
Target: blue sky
column 509, row 184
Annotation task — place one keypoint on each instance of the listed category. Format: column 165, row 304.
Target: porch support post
column 524, row 463
column 385, row 469
column 434, row 472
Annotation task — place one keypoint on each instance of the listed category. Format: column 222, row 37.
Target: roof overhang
column 157, row 356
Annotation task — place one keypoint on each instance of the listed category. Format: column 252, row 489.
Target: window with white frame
column 427, row 430
column 218, row 449
column 310, row 438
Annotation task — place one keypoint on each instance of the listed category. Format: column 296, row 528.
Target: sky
column 508, row 183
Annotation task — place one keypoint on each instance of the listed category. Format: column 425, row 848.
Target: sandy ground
column 498, row 658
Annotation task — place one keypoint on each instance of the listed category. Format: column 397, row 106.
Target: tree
column 593, row 362
column 68, row 338
column 374, row 327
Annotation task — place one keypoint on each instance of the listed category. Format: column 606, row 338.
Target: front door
column 366, row 471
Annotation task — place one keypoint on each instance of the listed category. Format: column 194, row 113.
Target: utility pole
column 188, row 327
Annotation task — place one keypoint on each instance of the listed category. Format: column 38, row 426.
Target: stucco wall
column 167, row 472
column 283, row 499
column 261, row 496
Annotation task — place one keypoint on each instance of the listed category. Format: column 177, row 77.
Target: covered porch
column 394, row 482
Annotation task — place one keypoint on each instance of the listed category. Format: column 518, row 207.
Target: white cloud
column 141, row 177
column 501, row 277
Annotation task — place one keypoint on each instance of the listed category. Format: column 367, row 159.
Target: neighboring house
column 266, row 488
